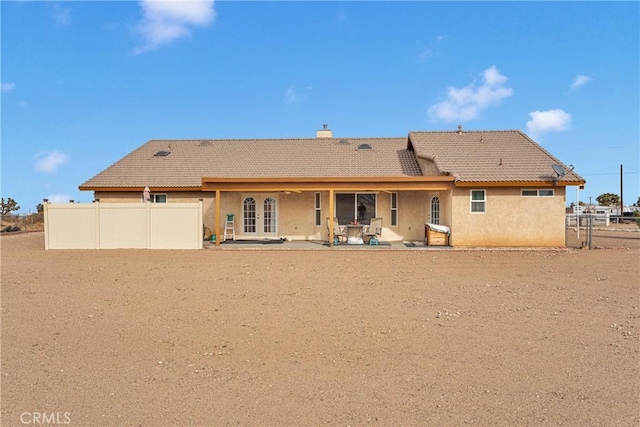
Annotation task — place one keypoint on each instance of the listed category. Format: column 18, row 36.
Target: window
column 435, row 211
column 537, row 193
column 318, row 211
column 355, row 206
column 269, row 215
column 478, row 201
column 249, row 215
column 394, row 209
column 158, row 198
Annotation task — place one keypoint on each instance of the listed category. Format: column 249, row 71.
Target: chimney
column 325, row 132
column 459, row 129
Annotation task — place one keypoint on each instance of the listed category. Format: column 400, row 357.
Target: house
column 491, row 188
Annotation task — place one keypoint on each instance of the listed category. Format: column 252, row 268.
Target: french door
column 259, row 216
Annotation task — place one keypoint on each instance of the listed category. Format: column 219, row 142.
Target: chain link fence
column 594, row 231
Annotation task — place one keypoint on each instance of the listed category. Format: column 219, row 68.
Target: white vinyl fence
column 123, row 225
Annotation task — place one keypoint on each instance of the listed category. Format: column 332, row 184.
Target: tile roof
column 470, row 156
column 488, row 156
column 190, row 160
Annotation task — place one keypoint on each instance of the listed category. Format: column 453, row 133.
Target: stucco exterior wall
column 297, row 220
column 296, row 216
column 510, row 220
column 414, row 211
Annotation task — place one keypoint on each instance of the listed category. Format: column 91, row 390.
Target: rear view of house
column 490, row 188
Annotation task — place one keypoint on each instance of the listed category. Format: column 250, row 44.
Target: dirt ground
column 321, row 337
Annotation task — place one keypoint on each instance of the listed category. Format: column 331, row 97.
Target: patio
column 317, row 245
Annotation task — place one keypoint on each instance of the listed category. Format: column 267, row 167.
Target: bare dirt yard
column 320, row 337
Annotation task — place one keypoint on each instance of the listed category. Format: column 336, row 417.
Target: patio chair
column 373, row 231
column 338, row 235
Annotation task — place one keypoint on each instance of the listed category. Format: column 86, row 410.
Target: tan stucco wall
column 296, row 218
column 414, row 211
column 296, row 211
column 510, row 219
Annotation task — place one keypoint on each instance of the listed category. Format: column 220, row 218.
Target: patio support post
column 217, row 227
column 331, row 210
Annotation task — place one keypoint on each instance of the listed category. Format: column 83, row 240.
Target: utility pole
column 578, row 211
column 621, row 202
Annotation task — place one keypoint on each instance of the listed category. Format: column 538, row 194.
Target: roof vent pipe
column 459, row 129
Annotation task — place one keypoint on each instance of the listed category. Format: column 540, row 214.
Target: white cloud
column 58, row 198
column 548, row 121
column 424, row 54
column 50, row 161
column 7, row 87
column 468, row 102
column 165, row 21
column 294, row 96
column 61, row 15
column 580, row 80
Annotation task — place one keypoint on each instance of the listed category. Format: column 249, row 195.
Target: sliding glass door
column 355, row 206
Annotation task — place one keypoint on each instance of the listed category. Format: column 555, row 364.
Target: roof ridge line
column 278, row 139
column 466, row 131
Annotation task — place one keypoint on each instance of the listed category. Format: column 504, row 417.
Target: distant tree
column 9, row 206
column 580, row 203
column 608, row 199
column 40, row 208
column 638, row 202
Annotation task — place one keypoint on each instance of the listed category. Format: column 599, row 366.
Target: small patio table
column 354, row 234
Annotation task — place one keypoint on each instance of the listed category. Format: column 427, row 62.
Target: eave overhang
column 518, row 183
column 328, row 183
column 139, row 189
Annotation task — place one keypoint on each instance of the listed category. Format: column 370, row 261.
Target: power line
column 611, row 173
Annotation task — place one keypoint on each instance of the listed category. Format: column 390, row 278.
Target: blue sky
column 85, row 83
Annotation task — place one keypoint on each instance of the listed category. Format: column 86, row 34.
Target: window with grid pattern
column 394, row 209
column 478, row 201
column 318, row 211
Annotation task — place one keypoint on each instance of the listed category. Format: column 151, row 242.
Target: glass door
column 259, row 216
column 359, row 207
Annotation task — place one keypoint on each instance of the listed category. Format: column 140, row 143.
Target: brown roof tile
column 488, row 156
column 190, row 160
column 473, row 156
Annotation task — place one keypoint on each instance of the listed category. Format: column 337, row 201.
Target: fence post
column 45, row 212
column 590, row 232
column 148, row 223
column 97, row 209
column 201, row 219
